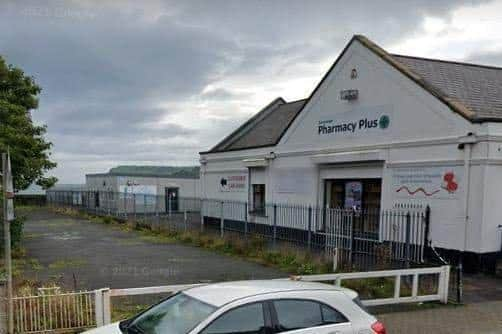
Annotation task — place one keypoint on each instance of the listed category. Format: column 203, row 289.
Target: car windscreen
column 176, row 315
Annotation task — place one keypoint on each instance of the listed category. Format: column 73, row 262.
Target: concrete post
column 98, row 308
column 222, row 221
column 202, row 215
column 185, row 220
column 275, row 227
column 134, row 207
column 169, row 205
column 125, row 205
column 245, row 220
column 102, row 306
column 309, row 240
column 7, row 245
column 408, row 241
column 144, row 206
column 157, row 218
column 3, row 307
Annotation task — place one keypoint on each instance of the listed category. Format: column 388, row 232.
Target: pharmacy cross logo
column 383, row 122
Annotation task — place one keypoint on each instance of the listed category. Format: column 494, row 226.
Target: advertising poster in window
column 145, row 194
column 353, row 195
column 233, row 183
column 441, row 182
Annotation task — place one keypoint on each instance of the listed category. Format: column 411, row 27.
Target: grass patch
column 67, row 263
column 57, row 222
column 156, row 238
column 371, row 288
column 35, row 265
column 32, row 235
column 129, row 242
column 18, row 266
column 26, row 208
column 121, row 311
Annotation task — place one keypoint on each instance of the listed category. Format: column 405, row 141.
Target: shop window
column 259, row 199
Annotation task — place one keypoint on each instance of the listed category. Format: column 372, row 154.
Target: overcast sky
column 155, row 82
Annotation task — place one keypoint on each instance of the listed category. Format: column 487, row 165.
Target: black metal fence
column 29, row 200
column 364, row 239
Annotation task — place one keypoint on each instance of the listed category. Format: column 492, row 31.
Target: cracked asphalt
column 79, row 254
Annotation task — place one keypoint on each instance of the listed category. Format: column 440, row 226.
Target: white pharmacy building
column 379, row 131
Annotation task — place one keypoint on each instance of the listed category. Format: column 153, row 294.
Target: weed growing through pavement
column 285, row 257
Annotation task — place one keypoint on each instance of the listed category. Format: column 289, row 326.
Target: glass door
column 172, row 199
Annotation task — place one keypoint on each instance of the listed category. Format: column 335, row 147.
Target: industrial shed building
column 142, row 188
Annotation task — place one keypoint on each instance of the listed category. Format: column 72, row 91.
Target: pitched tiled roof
column 264, row 129
column 478, row 87
column 473, row 91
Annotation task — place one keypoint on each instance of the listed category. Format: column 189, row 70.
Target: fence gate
column 359, row 237
column 339, row 234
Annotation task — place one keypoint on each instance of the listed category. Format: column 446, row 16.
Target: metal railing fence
column 363, row 239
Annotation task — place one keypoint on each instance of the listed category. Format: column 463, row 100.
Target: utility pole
column 8, row 215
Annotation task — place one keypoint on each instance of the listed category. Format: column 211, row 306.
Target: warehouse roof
column 68, row 187
column 183, row 172
column 471, row 90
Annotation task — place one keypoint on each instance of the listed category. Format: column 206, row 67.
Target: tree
column 30, row 152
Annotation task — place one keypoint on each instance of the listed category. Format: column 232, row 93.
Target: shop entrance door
column 359, row 198
column 356, row 194
column 172, row 200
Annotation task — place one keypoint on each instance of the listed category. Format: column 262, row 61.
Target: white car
column 254, row 307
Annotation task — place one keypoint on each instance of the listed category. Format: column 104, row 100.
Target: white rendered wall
column 423, row 133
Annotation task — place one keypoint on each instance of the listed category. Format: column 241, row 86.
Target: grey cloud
column 223, row 94
column 106, row 66
column 493, row 58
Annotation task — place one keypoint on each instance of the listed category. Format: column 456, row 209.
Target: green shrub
column 306, row 269
column 16, row 231
column 369, row 288
column 107, row 219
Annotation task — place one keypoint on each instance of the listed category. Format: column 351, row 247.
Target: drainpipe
column 202, row 178
column 465, row 143
column 270, row 158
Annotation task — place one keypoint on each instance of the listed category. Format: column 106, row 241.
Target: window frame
column 275, row 318
column 267, row 316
